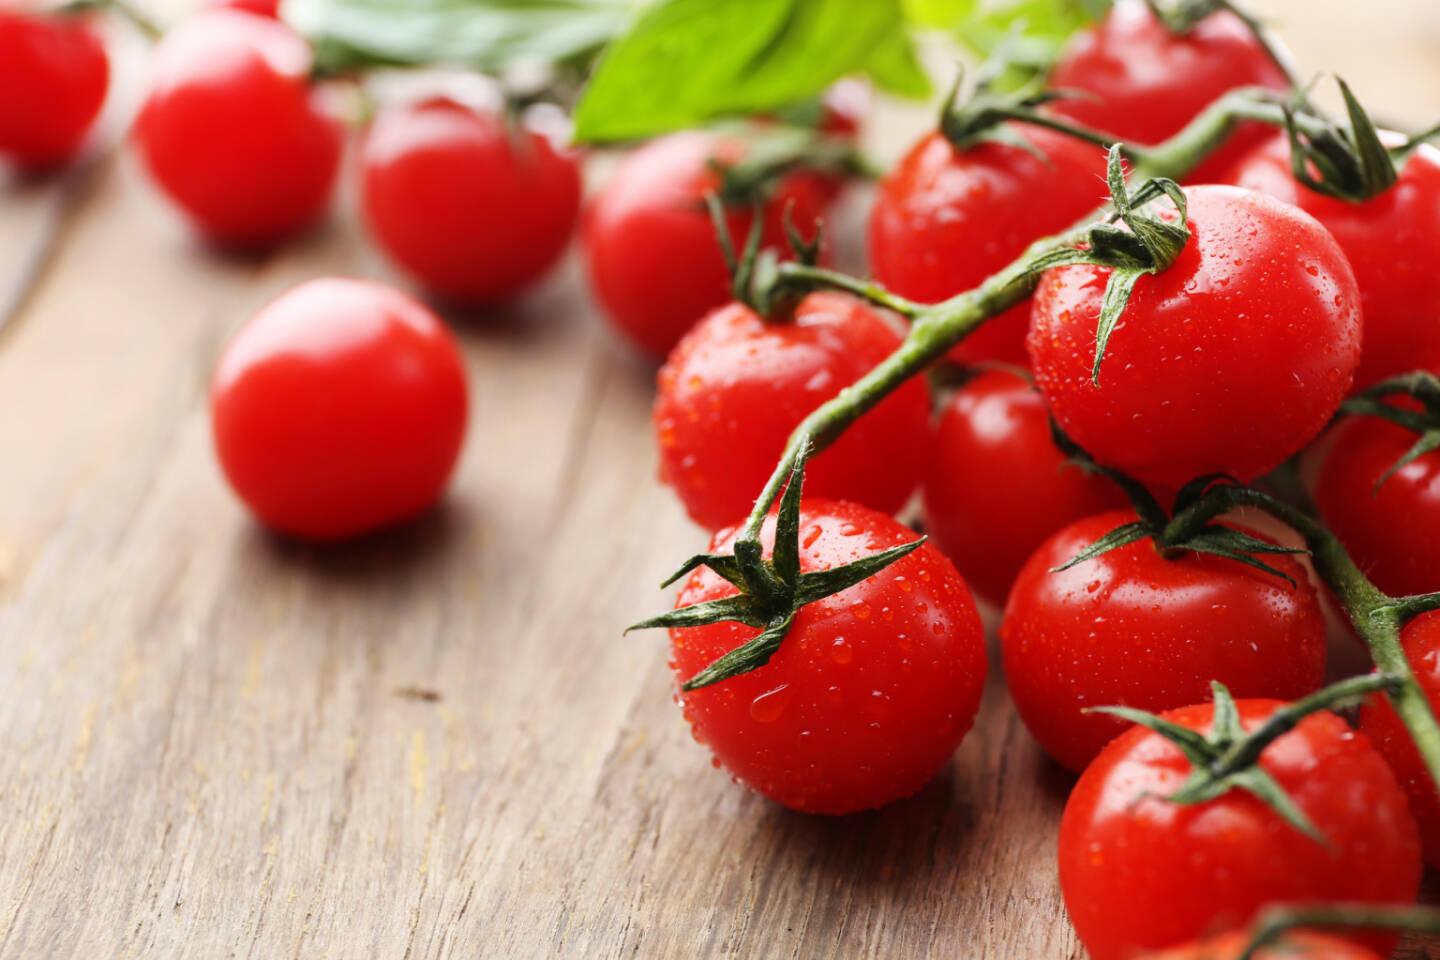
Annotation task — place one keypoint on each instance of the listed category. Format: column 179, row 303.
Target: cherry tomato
column 1393, row 531
column 1378, row 721
column 736, row 387
column 653, row 258
column 264, row 8
column 868, row 695
column 1142, row 83
column 233, row 132
column 1296, row 945
column 1228, row 362
column 1133, row 628
column 946, row 219
column 53, row 77
column 1393, row 244
column 475, row 208
column 339, row 409
column 1140, row 873
column 989, row 520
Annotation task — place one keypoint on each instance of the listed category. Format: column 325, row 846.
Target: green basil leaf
column 940, row 14
column 484, row 34
column 685, row 62
column 895, row 68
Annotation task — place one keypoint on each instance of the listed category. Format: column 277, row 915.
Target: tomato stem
column 1376, row 616
column 139, row 20
column 1275, row 922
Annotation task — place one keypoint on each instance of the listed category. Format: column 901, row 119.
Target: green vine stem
column 121, row 8
column 1275, row 922
column 938, row 327
column 1376, row 616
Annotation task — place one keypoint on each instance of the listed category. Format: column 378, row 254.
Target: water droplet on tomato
column 769, row 706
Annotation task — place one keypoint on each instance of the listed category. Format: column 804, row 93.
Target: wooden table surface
column 435, row 742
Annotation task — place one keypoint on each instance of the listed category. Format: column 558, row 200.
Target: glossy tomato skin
column 1132, row 628
column 232, row 131
column 868, row 695
column 1393, row 531
column 54, row 74
column 339, row 409
column 989, row 521
column 1378, row 721
column 1393, row 244
column 1140, row 873
column 263, row 8
column 653, row 259
column 945, row 219
column 1229, row 361
column 1295, row 945
column 736, row 387
column 1144, row 84
column 474, row 209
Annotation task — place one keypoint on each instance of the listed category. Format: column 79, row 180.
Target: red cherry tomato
column 1140, row 873
column 653, row 258
column 736, row 387
column 946, row 219
column 989, row 520
column 1228, row 362
column 53, row 77
column 233, row 132
column 1132, row 628
column 1378, row 721
column 475, row 208
column 1393, row 244
column 1142, row 83
column 1393, row 531
column 339, row 409
column 263, row 8
column 1296, row 945
column 868, row 695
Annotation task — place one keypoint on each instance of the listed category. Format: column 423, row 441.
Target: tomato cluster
column 341, row 407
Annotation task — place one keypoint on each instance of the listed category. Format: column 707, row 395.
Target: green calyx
column 1275, row 922
column 1347, row 161
column 1228, row 758
column 1157, row 525
column 1181, row 16
column 771, row 591
column 772, row 152
column 1147, row 244
column 1425, row 422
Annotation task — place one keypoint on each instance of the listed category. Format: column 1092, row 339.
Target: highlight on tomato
column 233, row 131
column 870, row 691
column 475, row 205
column 54, row 75
column 339, row 408
column 1142, row 872
column 1228, row 361
column 737, row 385
column 997, row 486
column 654, row 261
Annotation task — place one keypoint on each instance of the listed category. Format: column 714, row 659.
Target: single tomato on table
column 736, row 387
column 1134, row 628
column 947, row 218
column 997, row 487
column 1139, row 872
column 233, row 131
column 54, row 74
column 871, row 690
column 474, row 206
column 1228, row 361
column 654, row 261
column 1140, row 82
column 339, row 408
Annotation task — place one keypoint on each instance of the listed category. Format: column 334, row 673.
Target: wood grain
column 435, row 742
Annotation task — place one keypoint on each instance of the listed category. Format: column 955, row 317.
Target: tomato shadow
column 395, row 558
column 554, row 307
